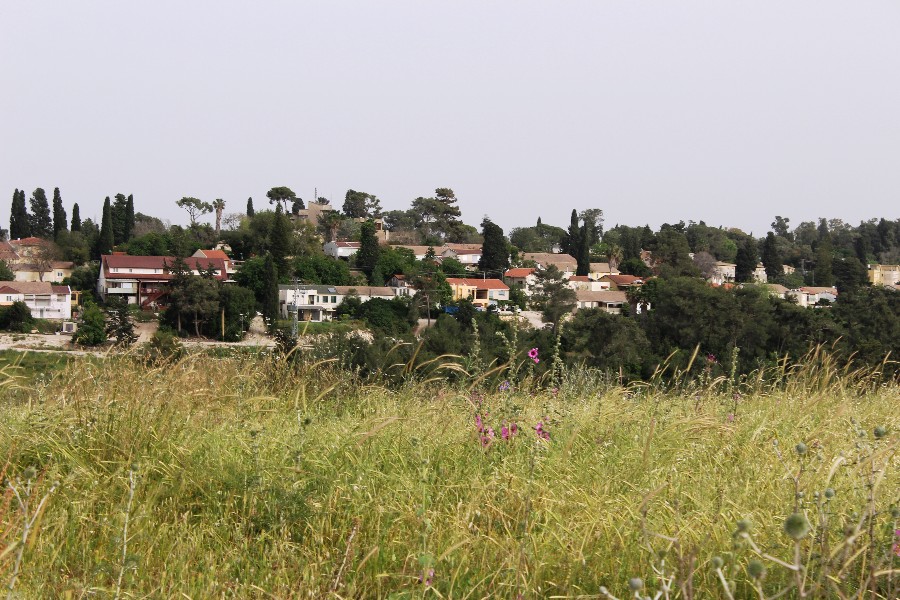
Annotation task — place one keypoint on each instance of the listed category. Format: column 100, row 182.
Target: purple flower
column 504, row 432
column 479, row 424
column 537, row 360
column 504, row 386
column 541, row 433
column 711, row 358
column 427, row 577
column 533, row 353
column 730, row 417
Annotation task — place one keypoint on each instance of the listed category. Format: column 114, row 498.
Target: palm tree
column 219, row 205
column 614, row 255
column 331, row 221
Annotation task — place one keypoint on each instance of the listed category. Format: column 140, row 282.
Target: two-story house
column 144, row 280
column 481, row 292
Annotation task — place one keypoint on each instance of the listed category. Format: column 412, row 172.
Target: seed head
column 800, row 448
column 829, row 493
column 879, row 432
column 756, row 569
column 30, row 473
column 635, row 583
column 796, row 526
column 717, row 562
column 744, row 525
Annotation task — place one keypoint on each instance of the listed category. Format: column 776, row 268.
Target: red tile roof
column 480, row 284
column 215, row 254
column 29, row 241
column 163, row 263
column 518, row 272
column 579, row 278
column 623, row 279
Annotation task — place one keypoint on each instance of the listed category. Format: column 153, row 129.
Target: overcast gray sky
column 731, row 112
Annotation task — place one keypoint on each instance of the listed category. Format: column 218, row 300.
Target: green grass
column 253, row 479
column 32, row 364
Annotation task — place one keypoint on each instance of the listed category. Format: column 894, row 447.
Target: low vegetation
column 260, row 476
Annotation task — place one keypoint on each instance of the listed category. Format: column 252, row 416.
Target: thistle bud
column 756, row 569
column 635, row 583
column 796, row 526
column 717, row 562
column 879, row 432
column 800, row 448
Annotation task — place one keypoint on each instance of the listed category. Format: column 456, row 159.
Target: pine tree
column 107, row 241
column 41, row 221
column 76, row 218
column 129, row 218
column 250, row 211
column 59, row 214
column 19, row 219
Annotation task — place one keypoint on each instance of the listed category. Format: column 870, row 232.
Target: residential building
column 481, row 292
column 598, row 270
column 776, row 289
column 585, row 283
column 885, row 275
column 401, row 286
column 45, row 300
column 812, row 296
column 566, row 264
column 622, row 282
column 724, row 272
column 524, row 278
column 759, row 274
column 342, row 249
column 609, row 301
column 144, row 280
column 32, row 259
column 313, row 213
column 468, row 254
column 317, row 303
column 217, row 253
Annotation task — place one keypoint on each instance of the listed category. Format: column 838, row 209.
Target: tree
column 706, row 264
column 250, row 211
column 92, row 329
column 367, row 256
column 331, row 222
column 283, row 195
column 605, row 341
column 781, row 227
column 219, row 206
column 584, row 251
column 771, row 260
column 572, row 242
column 119, row 325
column 552, row 295
column 129, row 218
column 281, row 241
column 746, row 260
column 120, row 218
column 239, row 306
column 6, row 273
column 824, row 258
column 269, row 302
column 194, row 208
column 106, row 242
column 494, row 249
column 359, row 205
column 76, row 217
column 849, row 274
column 41, row 221
column 16, row 317
column 59, row 214
column 671, row 252
column 19, row 219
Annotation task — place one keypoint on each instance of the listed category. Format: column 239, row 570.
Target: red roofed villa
column 144, row 280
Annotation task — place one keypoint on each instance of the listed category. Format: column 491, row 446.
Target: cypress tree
column 129, row 218
column 771, row 259
column 41, row 221
column 573, row 236
column 19, row 219
column 250, row 211
column 281, row 241
column 494, row 250
column 270, row 284
column 584, row 251
column 367, row 256
column 119, row 217
column 76, row 218
column 106, row 242
column 823, row 274
column 59, row 214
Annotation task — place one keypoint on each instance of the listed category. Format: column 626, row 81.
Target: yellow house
column 886, row 275
column 482, row 292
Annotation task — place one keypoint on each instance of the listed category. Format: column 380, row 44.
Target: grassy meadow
column 249, row 477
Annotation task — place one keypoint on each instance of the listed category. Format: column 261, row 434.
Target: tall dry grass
column 253, row 477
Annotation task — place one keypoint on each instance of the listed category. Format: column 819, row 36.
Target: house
column 401, row 286
column 482, row 292
column 621, row 282
column 884, row 275
column 418, row 251
column 317, row 303
column 606, row 300
column 598, row 270
column 566, row 264
column 585, row 283
column 342, row 249
column 524, row 278
column 723, row 272
column 313, row 213
column 759, row 274
column 144, row 280
column 45, row 300
column 468, row 254
column 381, row 234
column 812, row 296
column 778, row 290
column 32, row 259
column 217, row 253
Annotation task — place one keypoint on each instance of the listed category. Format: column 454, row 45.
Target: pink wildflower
column 896, row 547
column 730, row 417
column 479, row 424
column 533, row 353
column 504, row 432
column 711, row 358
column 541, row 433
column 427, row 577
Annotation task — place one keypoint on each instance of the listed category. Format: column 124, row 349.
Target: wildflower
column 796, row 526
column 537, row 360
column 504, row 386
column 711, row 359
column 541, row 433
column 508, row 431
column 427, row 577
column 896, row 547
column 479, row 424
column 533, row 353
column 730, row 417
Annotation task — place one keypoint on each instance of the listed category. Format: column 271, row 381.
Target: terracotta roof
column 819, row 290
column 8, row 290
column 584, row 278
column 194, row 263
column 348, row 244
column 550, row 258
column 365, row 290
column 30, row 287
column 600, row 296
column 602, row 267
column 61, row 289
column 518, row 272
column 215, row 254
column 480, row 284
column 464, row 248
column 29, row 241
column 777, row 288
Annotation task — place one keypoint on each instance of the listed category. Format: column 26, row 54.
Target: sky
column 654, row 111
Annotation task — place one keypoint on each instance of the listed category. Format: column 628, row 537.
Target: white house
column 317, row 303
column 144, row 280
column 339, row 249
column 45, row 300
column 606, row 300
column 811, row 296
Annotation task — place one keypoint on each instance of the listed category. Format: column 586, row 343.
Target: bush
column 16, row 317
column 92, row 329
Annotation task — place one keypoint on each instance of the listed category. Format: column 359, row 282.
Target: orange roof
column 622, row 279
column 579, row 278
column 479, row 284
column 518, row 272
column 215, row 254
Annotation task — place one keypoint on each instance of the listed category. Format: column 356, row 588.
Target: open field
column 245, row 477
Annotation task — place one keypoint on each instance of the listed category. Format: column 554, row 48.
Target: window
column 334, row 299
